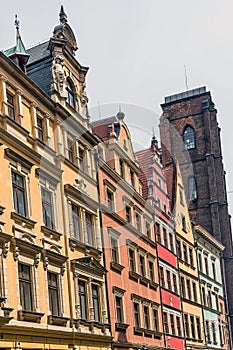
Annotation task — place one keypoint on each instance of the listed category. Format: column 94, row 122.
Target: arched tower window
column 192, row 189
column 70, row 93
column 189, row 138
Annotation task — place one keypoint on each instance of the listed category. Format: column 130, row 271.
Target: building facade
column 155, row 190
column 191, row 135
column 52, row 276
column 129, row 242
column 209, row 254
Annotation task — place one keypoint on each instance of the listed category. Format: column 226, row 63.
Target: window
column 186, row 326
column 184, row 227
column 169, row 285
column 182, row 285
column 188, row 289
column 192, row 188
column 25, row 287
column 89, row 229
column 53, row 289
column 171, row 241
column 10, row 105
column 175, row 289
column 178, row 246
column 47, row 208
column 209, row 299
column 110, row 199
column 157, row 232
column 178, row 326
column 81, row 155
column 128, row 213
column 206, row 265
column 214, row 270
column 136, row 315
column 138, row 221
column 151, row 271
column 159, row 183
column 198, row 324
column 146, row 317
column 200, row 261
column 216, row 302
column 142, row 265
column 191, row 256
column 39, row 127
column 189, row 138
column 70, row 150
column 207, row 327
column 165, row 241
column 132, row 177
column 148, row 229
column 132, row 265
column 194, row 291
column 192, row 325
column 82, row 299
column 18, row 193
column 114, row 250
column 165, row 322
column 214, row 332
column 156, row 322
column 76, row 222
column 172, row 323
column 150, row 191
column 95, row 301
column 203, row 295
column 121, row 167
column 185, row 253
column 161, row 274
column 119, row 309
column 70, row 94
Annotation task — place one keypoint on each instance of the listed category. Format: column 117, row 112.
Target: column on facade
column 47, row 129
column 76, row 295
column 103, row 303
column 18, row 106
column 33, row 119
column 4, row 108
column 91, row 308
column 58, row 138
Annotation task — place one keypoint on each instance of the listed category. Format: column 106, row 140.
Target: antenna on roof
column 186, row 78
column 99, row 111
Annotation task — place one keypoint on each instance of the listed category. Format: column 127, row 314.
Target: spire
column 19, row 48
column 62, row 15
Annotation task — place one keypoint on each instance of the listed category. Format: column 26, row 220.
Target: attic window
column 70, row 93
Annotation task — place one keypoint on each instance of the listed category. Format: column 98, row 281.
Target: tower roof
column 19, row 48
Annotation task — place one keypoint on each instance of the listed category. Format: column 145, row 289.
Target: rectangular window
column 182, row 285
column 89, row 229
column 10, row 105
column 209, row 299
column 171, row 241
column 136, row 315
column 18, row 187
column 178, row 326
column 157, row 232
column 216, row 302
column 121, row 168
column 70, row 150
column 165, row 322
column 47, row 208
column 148, row 229
column 206, row 265
column 184, row 227
column 146, row 317
column 191, row 256
column 76, row 222
column 119, row 309
column 189, row 289
column 178, row 246
column 138, row 221
column 185, row 254
column 132, row 177
column 169, row 285
column 214, row 270
column 156, row 321
column 192, row 325
column 151, row 270
column 82, row 299
column 165, row 241
column 200, row 261
column 142, row 265
column 198, row 324
column 81, row 154
column 161, row 274
column 95, row 301
column 203, row 295
column 25, row 287
column 186, row 326
column 53, row 289
column 175, row 288
column 132, row 265
column 194, row 291
column 172, row 323
column 110, row 199
column 207, row 327
column 39, row 127
column 128, row 213
column 214, row 332
column 114, row 250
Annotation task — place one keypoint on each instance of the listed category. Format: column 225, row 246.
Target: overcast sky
column 136, row 51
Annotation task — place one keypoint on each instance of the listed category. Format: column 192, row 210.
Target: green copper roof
column 19, row 49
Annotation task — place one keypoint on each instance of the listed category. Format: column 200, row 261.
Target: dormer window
column 189, row 138
column 70, row 93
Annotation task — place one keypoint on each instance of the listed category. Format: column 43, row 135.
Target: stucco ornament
column 59, row 76
column 83, row 97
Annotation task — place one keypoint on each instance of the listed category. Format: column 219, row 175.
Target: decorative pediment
column 88, row 263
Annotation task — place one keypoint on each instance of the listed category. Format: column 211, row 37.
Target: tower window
column 192, row 190
column 70, row 93
column 189, row 138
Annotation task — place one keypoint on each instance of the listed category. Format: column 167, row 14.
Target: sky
column 137, row 50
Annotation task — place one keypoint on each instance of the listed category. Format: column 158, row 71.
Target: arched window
column 192, row 190
column 189, row 138
column 70, row 93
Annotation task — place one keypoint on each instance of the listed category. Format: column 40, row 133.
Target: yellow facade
column 50, row 238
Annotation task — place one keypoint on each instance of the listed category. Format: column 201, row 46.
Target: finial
column 17, row 22
column 62, row 15
column 120, row 115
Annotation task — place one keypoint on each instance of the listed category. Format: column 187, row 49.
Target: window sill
column 144, row 280
column 50, row 233
column 158, row 334
column 22, row 220
column 153, row 285
column 134, row 275
column 121, row 327
column 148, row 332
column 115, row 266
column 58, row 320
column 30, row 316
column 138, row 330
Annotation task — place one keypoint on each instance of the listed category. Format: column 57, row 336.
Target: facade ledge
column 86, row 249
column 138, row 330
column 58, row 320
column 22, row 220
column 144, row 280
column 153, row 285
column 121, row 327
column 92, row 325
column 148, row 332
column 53, row 234
column 134, row 275
column 115, row 266
column 30, row 316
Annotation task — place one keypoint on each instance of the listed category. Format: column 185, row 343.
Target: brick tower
column 190, row 135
